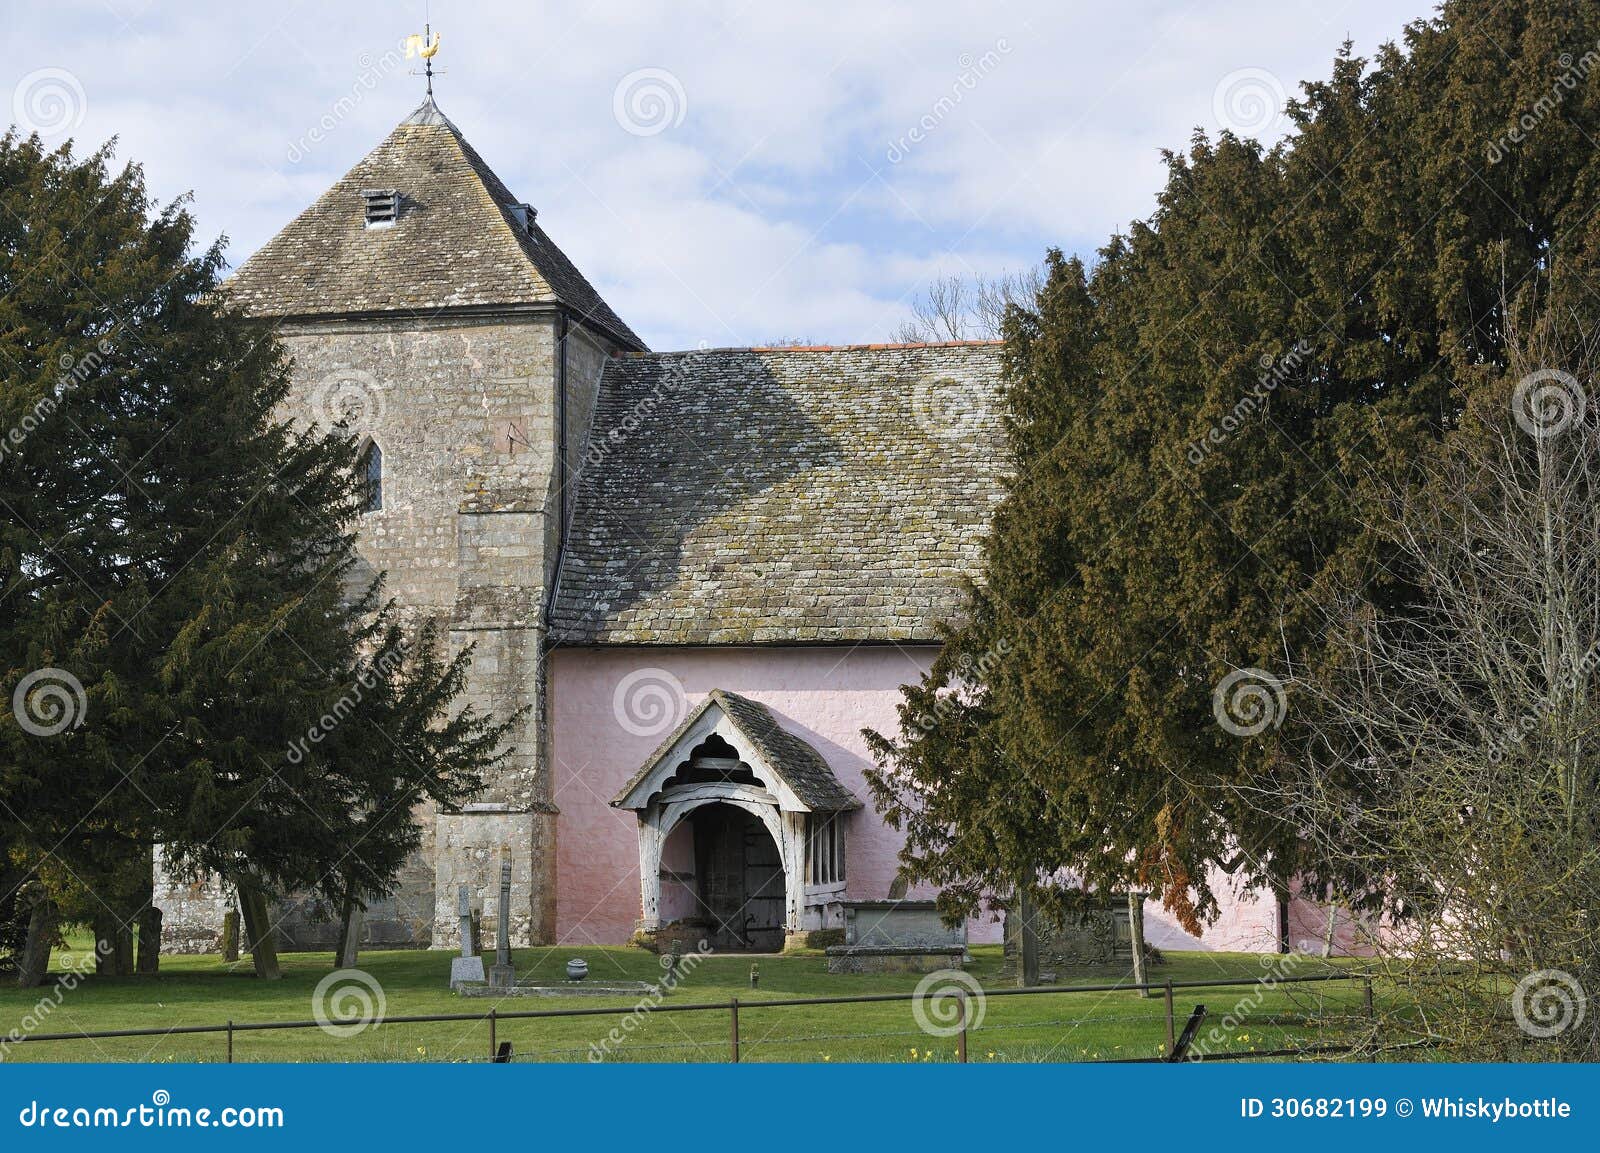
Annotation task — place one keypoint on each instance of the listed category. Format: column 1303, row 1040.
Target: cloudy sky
column 726, row 173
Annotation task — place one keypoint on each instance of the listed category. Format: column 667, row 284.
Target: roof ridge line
column 800, row 348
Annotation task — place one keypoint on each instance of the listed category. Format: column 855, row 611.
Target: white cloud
column 772, row 209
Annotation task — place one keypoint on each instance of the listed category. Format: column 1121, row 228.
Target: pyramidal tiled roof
column 456, row 242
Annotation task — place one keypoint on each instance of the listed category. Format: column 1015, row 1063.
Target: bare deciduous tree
column 1454, row 752
column 962, row 308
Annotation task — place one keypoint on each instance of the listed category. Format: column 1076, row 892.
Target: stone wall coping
column 917, row 906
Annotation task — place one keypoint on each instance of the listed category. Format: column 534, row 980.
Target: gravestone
column 503, row 975
column 899, row 924
column 896, row 936
column 1095, row 937
column 350, row 938
column 468, row 968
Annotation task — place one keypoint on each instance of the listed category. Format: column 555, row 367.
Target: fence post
column 1367, row 996
column 1180, row 1051
column 1172, row 1043
column 733, row 1036
column 230, row 1042
column 961, row 1037
column 494, row 1049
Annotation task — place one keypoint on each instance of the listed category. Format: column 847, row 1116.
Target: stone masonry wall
column 192, row 911
column 464, row 412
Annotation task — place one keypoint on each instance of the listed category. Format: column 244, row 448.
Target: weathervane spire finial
column 425, row 46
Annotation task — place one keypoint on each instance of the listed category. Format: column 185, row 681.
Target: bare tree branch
column 1453, row 753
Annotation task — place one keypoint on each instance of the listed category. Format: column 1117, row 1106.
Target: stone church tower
column 424, row 304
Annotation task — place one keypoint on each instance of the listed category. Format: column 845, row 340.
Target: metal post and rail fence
column 1177, row 1047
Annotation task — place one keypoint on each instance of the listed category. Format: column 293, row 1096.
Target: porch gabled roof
column 800, row 774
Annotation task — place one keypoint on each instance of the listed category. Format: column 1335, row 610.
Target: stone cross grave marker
column 467, row 968
column 502, row 975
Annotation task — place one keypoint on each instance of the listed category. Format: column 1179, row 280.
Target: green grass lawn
column 202, row 990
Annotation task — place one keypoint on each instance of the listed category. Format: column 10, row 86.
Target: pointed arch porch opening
column 729, row 810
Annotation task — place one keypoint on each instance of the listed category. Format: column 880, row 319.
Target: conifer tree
column 1191, row 426
column 176, row 563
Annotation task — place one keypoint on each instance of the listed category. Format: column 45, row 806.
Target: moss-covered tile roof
column 456, row 242
column 782, row 496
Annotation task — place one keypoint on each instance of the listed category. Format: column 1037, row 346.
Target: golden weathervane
column 426, row 46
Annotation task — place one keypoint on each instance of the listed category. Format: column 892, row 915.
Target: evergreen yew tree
column 191, row 664
column 1191, row 423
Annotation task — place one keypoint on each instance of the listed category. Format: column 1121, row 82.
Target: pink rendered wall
column 1248, row 923
column 826, row 695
